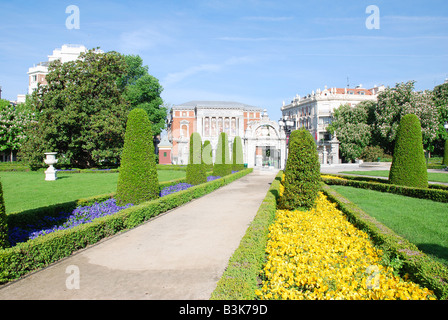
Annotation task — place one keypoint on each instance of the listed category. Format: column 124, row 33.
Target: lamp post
column 288, row 125
column 444, row 161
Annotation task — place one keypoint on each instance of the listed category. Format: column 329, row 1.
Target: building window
column 206, row 126
column 164, row 154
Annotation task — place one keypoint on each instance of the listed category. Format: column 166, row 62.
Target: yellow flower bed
column 331, row 177
column 318, row 254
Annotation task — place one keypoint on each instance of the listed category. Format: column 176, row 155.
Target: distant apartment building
column 314, row 112
column 37, row 73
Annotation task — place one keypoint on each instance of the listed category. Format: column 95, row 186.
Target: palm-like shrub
column 408, row 163
column 223, row 163
column 237, row 154
column 137, row 181
column 3, row 224
column 196, row 168
column 302, row 172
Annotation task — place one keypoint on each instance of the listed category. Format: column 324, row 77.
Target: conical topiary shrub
column 237, row 154
column 196, row 168
column 207, row 155
column 445, row 153
column 138, row 180
column 223, row 163
column 408, row 162
column 4, row 243
column 302, row 172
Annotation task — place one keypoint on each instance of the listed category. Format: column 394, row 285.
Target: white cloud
column 268, row 19
column 142, row 39
column 175, row 77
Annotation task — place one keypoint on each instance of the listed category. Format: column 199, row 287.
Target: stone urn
column 50, row 159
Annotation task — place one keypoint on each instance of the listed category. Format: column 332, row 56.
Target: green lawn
column 27, row 190
column 432, row 176
column 422, row 222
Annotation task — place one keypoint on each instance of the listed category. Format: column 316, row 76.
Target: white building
column 314, row 112
column 37, row 73
column 263, row 141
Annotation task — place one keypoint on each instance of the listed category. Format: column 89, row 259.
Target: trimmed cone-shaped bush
column 302, row 172
column 445, row 153
column 3, row 223
column 196, row 167
column 237, row 154
column 137, row 181
column 408, row 162
column 223, row 163
column 207, row 155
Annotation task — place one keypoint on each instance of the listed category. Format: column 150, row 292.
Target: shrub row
column 421, row 268
column 42, row 251
column 241, row 277
column 437, row 193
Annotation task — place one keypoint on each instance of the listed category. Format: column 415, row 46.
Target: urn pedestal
column 50, row 173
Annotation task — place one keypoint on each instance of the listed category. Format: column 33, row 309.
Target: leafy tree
column 237, row 154
column 302, row 172
column 137, row 179
column 81, row 112
column 13, row 120
column 223, row 163
column 351, row 127
column 408, row 163
column 142, row 90
column 440, row 97
column 393, row 104
column 3, row 222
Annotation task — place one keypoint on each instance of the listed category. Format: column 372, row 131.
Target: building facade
column 314, row 113
column 263, row 142
column 37, row 73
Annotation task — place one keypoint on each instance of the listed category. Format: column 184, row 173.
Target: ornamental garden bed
column 363, row 259
column 43, row 250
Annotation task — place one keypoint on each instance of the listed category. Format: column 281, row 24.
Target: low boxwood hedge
column 421, row 268
column 42, row 251
column 241, row 277
column 433, row 192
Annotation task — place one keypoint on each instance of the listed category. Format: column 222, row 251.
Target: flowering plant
column 318, row 254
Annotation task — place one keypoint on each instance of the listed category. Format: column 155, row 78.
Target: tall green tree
column 223, row 161
column 81, row 112
column 13, row 121
column 352, row 128
column 196, row 169
column 143, row 90
column 408, row 163
column 237, row 154
column 138, row 179
column 302, row 172
column 393, row 104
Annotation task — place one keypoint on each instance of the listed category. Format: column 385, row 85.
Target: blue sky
column 258, row 52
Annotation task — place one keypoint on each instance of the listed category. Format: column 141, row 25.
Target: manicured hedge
column 302, row 172
column 433, row 192
column 42, row 251
column 421, row 268
column 241, row 277
column 196, row 170
column 408, row 164
column 138, row 180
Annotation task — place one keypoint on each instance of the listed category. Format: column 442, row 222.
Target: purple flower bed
column 81, row 215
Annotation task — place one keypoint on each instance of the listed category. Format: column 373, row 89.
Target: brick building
column 210, row 118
